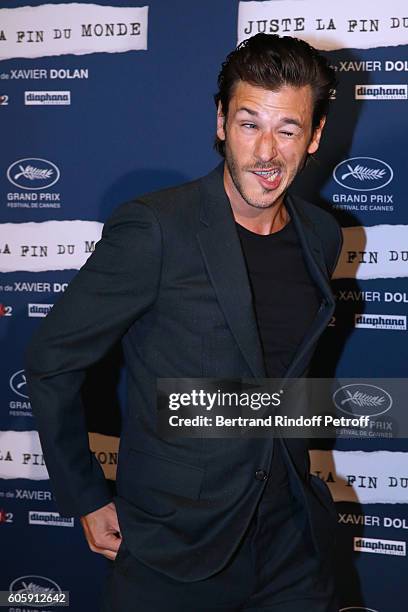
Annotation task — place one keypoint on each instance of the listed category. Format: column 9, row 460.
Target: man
column 225, row 276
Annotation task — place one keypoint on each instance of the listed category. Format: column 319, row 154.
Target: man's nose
column 266, row 148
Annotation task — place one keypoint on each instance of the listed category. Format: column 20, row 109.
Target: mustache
column 262, row 167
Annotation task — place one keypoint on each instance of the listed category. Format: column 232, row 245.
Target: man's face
column 267, row 135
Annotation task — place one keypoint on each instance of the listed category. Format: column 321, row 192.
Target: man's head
column 272, row 102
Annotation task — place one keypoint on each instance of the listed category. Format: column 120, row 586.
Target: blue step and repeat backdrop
column 101, row 103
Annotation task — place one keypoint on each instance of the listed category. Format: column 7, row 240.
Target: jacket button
column 261, row 475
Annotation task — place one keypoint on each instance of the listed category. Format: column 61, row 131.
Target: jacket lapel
column 223, row 257
column 315, row 261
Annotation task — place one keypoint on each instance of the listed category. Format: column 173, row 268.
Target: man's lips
column 269, row 179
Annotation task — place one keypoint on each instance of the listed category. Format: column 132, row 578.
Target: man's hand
column 102, row 531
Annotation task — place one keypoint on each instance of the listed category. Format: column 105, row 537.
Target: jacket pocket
column 169, row 475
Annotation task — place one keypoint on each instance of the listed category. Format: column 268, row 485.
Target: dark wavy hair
column 271, row 61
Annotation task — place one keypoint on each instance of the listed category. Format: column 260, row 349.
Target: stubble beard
column 233, row 168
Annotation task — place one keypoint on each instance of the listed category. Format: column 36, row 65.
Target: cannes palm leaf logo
column 362, row 173
column 32, row 173
column 363, row 399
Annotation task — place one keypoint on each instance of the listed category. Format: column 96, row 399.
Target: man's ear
column 317, row 134
column 220, row 122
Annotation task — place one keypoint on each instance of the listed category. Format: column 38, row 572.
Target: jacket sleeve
column 339, row 243
column 116, row 285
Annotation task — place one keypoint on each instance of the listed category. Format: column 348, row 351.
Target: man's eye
column 287, row 133
column 249, row 125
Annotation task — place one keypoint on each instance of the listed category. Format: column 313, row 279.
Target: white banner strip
column 378, row 251
column 76, row 28
column 328, row 25
column 21, row 454
column 377, row 477
column 48, row 245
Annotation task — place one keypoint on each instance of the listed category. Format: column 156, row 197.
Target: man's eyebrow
column 248, row 110
column 291, row 121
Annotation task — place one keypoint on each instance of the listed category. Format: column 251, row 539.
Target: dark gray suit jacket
column 168, row 278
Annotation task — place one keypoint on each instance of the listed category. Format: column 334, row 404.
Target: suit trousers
column 275, row 567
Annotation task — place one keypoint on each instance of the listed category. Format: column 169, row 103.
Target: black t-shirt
column 286, row 299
